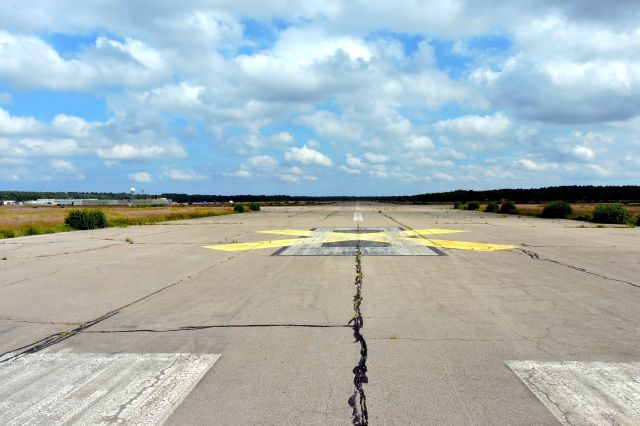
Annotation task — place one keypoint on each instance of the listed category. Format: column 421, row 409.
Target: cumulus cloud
column 474, row 125
column 131, row 152
column 142, row 177
column 63, row 166
column 29, row 62
column 262, row 162
column 376, row 158
column 183, row 175
column 305, row 155
column 202, row 79
column 582, row 152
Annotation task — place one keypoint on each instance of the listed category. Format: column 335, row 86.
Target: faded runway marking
column 585, row 393
column 88, row 388
column 375, row 241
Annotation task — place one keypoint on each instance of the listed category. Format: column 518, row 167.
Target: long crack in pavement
column 358, row 401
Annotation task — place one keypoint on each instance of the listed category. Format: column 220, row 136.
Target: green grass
column 32, row 230
column 126, row 221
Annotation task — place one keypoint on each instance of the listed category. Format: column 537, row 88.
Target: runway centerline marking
column 374, row 241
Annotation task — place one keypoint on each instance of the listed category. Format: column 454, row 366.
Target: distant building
column 96, row 202
column 7, row 202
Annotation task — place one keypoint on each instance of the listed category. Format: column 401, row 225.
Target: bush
column 610, row 213
column 584, row 217
column 508, row 207
column 86, row 219
column 492, row 207
column 31, row 230
column 238, row 208
column 254, row 207
column 7, row 233
column 458, row 205
column 557, row 209
column 473, row 205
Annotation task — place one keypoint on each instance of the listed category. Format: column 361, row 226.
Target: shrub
column 557, row 209
column 584, row 217
column 31, row 230
column 508, row 207
column 473, row 205
column 458, row 205
column 492, row 207
column 254, row 207
column 86, row 219
column 7, row 233
column 238, row 208
column 610, row 213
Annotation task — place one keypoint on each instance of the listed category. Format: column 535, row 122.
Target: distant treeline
column 204, row 198
column 573, row 194
column 30, row 195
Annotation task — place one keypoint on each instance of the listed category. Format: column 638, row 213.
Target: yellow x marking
column 308, row 237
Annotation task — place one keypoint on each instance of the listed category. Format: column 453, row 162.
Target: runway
column 468, row 318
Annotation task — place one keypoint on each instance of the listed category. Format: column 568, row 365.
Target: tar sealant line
column 358, row 400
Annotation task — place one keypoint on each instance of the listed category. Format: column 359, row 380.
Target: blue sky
column 318, row 97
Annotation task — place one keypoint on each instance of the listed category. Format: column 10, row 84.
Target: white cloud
column 62, row 166
column 307, row 155
column 582, row 152
column 354, row 162
column 27, row 61
column 32, row 147
column 10, row 125
column 376, row 158
column 531, row 165
column 183, row 175
column 350, row 170
column 262, row 162
column 141, row 177
column 286, row 177
column 416, row 143
column 474, row 125
column 241, row 173
column 328, row 125
column 131, row 152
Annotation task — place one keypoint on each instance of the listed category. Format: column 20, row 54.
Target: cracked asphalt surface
column 438, row 328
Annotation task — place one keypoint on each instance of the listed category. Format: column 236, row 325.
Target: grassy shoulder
column 601, row 213
column 18, row 221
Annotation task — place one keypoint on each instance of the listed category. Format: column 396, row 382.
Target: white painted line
column 357, row 215
column 64, row 387
column 585, row 393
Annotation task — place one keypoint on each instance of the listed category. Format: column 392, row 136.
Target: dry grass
column 25, row 220
column 579, row 209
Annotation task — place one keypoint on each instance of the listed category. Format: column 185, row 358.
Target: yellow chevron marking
column 418, row 232
column 460, row 245
column 333, row 237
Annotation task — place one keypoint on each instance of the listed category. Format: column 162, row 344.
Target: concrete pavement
column 469, row 337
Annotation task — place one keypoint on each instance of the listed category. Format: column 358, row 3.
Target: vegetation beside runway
column 608, row 213
column 18, row 221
